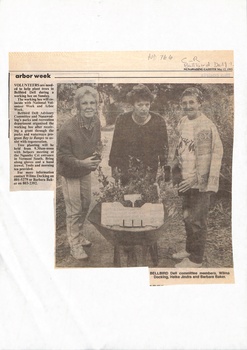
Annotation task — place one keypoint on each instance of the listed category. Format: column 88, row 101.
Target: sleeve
column 99, row 143
column 164, row 148
column 175, row 162
column 176, row 170
column 99, row 135
column 216, row 159
column 116, row 151
column 65, row 154
column 99, row 132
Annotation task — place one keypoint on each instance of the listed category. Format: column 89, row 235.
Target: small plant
column 139, row 182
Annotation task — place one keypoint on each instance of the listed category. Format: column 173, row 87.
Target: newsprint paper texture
column 128, row 129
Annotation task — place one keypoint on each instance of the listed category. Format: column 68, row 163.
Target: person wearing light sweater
column 196, row 170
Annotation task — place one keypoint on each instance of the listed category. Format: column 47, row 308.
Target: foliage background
column 218, row 105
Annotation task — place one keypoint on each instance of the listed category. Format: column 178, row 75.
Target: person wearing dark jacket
column 78, row 139
column 139, row 134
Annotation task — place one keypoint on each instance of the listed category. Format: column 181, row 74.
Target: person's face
column 88, row 106
column 141, row 108
column 191, row 106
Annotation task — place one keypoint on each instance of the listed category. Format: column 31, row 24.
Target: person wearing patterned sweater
column 196, row 170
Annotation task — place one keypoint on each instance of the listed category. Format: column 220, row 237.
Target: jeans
column 195, row 212
column 77, row 197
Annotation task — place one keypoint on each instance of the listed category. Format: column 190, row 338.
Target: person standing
column 140, row 135
column 196, row 170
column 77, row 141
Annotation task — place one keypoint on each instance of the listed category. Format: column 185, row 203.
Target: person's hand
column 90, row 163
column 185, row 185
column 111, row 180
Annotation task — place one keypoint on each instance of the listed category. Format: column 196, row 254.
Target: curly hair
column 139, row 92
column 83, row 91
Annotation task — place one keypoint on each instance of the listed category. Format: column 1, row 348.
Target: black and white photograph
column 144, row 175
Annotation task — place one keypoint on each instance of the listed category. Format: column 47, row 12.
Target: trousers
column 77, row 197
column 195, row 212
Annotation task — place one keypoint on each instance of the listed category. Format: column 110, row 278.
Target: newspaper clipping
column 137, row 147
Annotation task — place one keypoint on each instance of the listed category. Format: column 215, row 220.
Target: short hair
column 140, row 92
column 83, row 91
column 193, row 92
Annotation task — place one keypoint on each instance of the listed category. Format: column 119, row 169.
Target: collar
column 146, row 121
column 83, row 123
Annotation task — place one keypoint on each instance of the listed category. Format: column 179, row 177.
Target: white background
column 44, row 308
